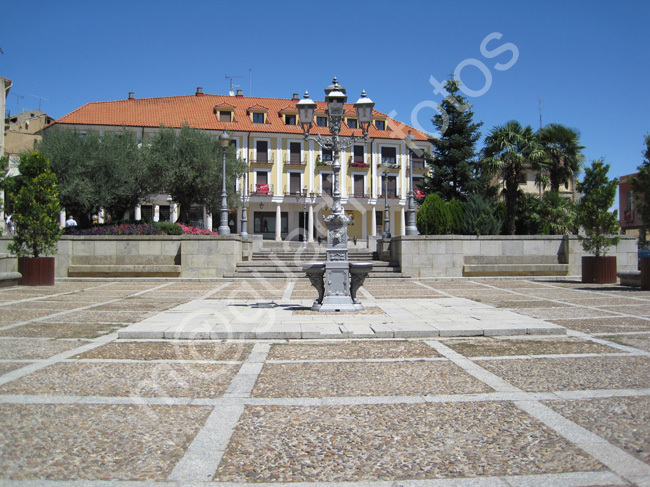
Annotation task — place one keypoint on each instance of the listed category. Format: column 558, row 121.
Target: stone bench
column 9, row 275
column 513, row 265
column 629, row 278
column 124, row 266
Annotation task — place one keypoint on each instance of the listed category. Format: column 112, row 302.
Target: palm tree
column 563, row 153
column 509, row 150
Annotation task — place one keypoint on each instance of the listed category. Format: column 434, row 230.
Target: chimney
column 240, row 94
column 131, row 95
column 199, row 91
column 295, row 97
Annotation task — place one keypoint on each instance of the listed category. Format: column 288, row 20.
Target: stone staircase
column 285, row 263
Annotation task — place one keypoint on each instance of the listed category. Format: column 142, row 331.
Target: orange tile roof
column 199, row 112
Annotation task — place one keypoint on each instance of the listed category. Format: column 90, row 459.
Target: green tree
column 510, row 149
column 433, row 218
column 599, row 224
column 640, row 186
column 563, row 152
column 455, row 170
column 479, row 217
column 552, row 214
column 187, row 166
column 36, row 207
column 94, row 172
column 456, row 214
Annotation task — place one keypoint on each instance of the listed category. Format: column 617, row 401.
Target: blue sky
column 589, row 61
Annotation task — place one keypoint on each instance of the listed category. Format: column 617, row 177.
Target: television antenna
column 232, row 85
column 40, row 99
column 541, row 102
column 18, row 100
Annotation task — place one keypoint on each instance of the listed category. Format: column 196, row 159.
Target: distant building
column 630, row 220
column 23, row 131
column 289, row 180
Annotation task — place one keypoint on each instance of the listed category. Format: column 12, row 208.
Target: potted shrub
column 36, row 211
column 600, row 226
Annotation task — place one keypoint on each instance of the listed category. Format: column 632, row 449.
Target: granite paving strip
column 6, row 367
column 96, row 442
column 61, row 330
column 393, row 442
column 204, row 455
column 363, row 379
column 565, row 312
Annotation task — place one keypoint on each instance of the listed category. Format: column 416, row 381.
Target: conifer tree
column 455, row 170
column 641, row 187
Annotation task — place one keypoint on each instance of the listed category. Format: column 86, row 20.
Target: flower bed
column 153, row 228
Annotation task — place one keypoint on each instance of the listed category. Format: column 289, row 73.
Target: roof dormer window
column 258, row 117
column 225, row 116
column 380, row 124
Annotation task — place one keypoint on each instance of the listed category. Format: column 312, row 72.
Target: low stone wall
column 520, row 255
column 190, row 256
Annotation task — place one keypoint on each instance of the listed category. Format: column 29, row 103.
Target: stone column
column 137, row 214
column 402, row 224
column 310, row 223
column 173, row 214
column 278, row 223
column 373, row 223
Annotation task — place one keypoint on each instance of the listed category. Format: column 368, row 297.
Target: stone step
column 302, row 275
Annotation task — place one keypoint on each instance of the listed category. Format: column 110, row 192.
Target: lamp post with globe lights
column 337, row 295
column 224, row 229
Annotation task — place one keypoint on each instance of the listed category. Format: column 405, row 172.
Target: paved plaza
column 485, row 382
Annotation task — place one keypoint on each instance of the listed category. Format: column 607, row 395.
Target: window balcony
column 263, row 159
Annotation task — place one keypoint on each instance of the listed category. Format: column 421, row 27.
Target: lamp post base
column 333, row 304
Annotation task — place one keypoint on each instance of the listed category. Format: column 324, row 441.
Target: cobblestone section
column 79, row 407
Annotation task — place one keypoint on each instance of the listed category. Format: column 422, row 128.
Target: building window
column 392, row 186
column 258, row 117
column 262, row 147
column 418, row 162
column 523, row 178
column 389, row 155
column 380, row 124
column 327, row 184
column 352, row 123
column 321, row 121
column 294, row 183
column 290, row 119
column 295, row 150
column 358, row 154
column 326, row 155
column 358, row 189
column 225, row 116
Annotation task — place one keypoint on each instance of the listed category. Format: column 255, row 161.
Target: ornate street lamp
column 337, row 295
column 244, row 217
column 386, row 207
column 224, row 229
column 411, row 227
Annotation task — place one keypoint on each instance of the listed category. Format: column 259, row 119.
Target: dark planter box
column 599, row 270
column 36, row 271
column 645, row 274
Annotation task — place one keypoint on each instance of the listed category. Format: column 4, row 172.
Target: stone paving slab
column 115, row 442
column 393, row 442
column 311, row 379
column 401, row 318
